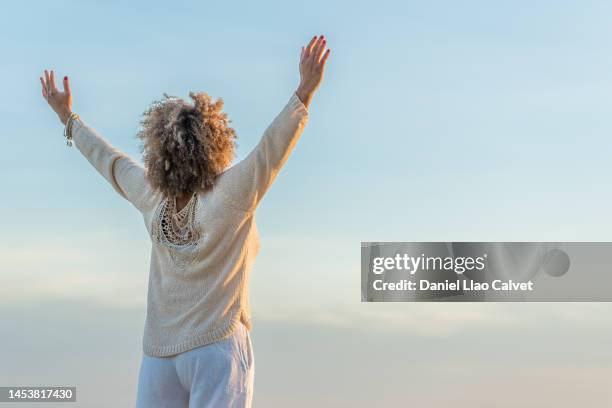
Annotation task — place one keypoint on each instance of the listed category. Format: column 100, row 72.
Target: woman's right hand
column 312, row 66
column 60, row 102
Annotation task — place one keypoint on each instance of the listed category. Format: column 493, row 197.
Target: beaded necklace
column 176, row 230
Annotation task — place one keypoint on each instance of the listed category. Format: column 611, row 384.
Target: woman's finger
column 320, row 50
column 52, row 81
column 47, row 81
column 67, row 85
column 310, row 45
column 324, row 58
column 318, row 46
column 44, row 88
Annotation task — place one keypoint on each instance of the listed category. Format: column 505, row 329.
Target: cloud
column 443, row 319
column 303, row 365
column 94, row 265
column 107, row 268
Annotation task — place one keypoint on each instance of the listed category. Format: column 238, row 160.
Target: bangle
column 68, row 129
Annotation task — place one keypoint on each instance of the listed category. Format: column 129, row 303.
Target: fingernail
column 65, row 78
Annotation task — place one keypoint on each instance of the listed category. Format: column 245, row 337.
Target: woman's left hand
column 312, row 67
column 60, row 102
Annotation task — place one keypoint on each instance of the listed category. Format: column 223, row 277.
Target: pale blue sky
column 438, row 121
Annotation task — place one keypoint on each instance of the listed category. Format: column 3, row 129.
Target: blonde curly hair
column 186, row 146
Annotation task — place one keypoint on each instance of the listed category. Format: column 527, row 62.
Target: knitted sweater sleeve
column 245, row 183
column 123, row 173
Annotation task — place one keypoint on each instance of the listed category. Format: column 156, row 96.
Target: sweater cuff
column 297, row 105
column 77, row 128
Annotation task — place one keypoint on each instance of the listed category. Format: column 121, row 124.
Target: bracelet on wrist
column 68, row 129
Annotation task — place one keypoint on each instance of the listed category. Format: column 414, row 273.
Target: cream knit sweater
column 198, row 295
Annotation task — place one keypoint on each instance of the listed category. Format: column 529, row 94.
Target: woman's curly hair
column 185, row 147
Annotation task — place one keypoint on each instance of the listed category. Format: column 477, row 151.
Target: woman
column 201, row 218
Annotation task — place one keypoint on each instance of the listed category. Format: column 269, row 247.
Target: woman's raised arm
column 125, row 175
column 245, row 183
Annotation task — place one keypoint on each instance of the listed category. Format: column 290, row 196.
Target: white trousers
column 217, row 375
